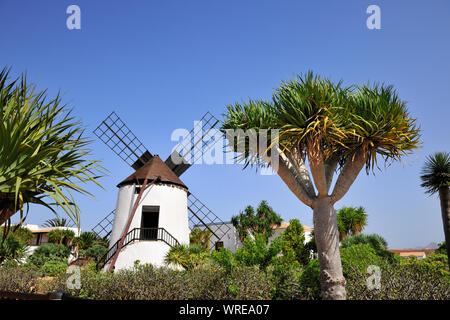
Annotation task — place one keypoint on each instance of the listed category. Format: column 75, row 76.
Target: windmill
column 181, row 211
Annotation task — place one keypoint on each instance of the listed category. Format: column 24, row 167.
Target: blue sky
column 162, row 64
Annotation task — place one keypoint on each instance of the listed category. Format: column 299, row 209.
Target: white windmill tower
column 154, row 209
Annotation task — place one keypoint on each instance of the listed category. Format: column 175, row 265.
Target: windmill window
column 219, row 245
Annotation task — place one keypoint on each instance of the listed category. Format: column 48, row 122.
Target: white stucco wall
column 173, row 217
column 156, row 250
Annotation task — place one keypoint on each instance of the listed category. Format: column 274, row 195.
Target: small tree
column 256, row 251
column 261, row 221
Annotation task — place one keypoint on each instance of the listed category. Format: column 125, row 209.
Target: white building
column 160, row 220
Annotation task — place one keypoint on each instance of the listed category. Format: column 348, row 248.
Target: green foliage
column 149, row 283
column 436, row 172
column 57, row 222
column 435, row 262
column 377, row 242
column 54, row 267
column 369, row 119
column 96, row 252
column 411, row 280
column 23, row 279
column 256, row 252
column 293, row 247
column 200, row 238
column 49, row 252
column 43, row 151
column 355, row 260
column 88, row 239
column 188, row 257
column 442, row 248
column 225, row 258
column 15, row 245
column 61, row 236
column 351, row 221
column 260, row 222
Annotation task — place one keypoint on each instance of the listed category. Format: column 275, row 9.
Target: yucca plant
column 328, row 127
column 44, row 155
column 436, row 179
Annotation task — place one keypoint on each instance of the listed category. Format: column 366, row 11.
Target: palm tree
column 436, row 179
column 200, row 237
column 57, row 222
column 43, row 152
column 328, row 127
column 351, row 221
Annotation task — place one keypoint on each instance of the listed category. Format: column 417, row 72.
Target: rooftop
column 154, row 168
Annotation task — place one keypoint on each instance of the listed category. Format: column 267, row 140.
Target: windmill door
column 149, row 223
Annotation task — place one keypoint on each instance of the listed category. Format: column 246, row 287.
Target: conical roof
column 154, row 168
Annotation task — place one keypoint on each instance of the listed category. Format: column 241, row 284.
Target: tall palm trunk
column 326, row 235
column 444, row 196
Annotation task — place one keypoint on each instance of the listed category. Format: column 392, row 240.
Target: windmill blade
column 119, row 138
column 185, row 147
column 201, row 217
column 104, row 227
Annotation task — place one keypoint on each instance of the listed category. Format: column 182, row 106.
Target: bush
column 409, row 281
column 61, row 236
column 96, row 252
column 54, row 268
column 147, row 282
column 49, row 252
column 19, row 279
column 355, row 260
column 374, row 240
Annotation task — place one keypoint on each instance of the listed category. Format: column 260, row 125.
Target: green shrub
column 224, row 258
column 54, row 268
column 256, row 252
column 15, row 245
column 355, row 260
column 410, row 281
column 148, row 282
column 49, row 252
column 96, row 252
column 374, row 240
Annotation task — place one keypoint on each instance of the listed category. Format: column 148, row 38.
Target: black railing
column 142, row 234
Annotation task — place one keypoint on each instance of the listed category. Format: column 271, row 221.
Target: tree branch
column 290, row 176
column 330, row 168
column 298, row 162
column 350, row 171
column 317, row 165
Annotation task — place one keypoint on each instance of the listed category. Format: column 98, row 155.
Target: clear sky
column 162, row 64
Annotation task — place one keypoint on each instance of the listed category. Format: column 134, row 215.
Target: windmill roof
column 154, row 168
